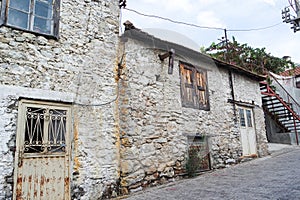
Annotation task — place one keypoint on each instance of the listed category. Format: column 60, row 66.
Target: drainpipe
column 232, row 94
column 295, row 128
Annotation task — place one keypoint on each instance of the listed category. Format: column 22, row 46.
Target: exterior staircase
column 282, row 108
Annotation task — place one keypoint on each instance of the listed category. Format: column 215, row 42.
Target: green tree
column 253, row 59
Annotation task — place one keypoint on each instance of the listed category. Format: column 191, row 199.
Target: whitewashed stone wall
column 154, row 126
column 247, row 91
column 78, row 67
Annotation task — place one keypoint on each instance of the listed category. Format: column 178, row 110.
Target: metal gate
column 43, row 151
column 198, row 153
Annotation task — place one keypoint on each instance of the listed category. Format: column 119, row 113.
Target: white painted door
column 248, row 136
column 42, row 156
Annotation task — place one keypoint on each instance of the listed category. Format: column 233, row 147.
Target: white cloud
column 172, row 5
column 208, row 18
column 271, row 2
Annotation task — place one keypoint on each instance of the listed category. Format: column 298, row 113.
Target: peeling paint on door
column 42, row 158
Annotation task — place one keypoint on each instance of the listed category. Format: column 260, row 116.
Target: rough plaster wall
column 154, row 126
column 81, row 63
column 8, row 121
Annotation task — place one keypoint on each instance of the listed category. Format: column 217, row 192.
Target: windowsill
column 32, row 32
column 195, row 108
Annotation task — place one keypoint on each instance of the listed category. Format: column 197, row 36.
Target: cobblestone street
column 273, row 177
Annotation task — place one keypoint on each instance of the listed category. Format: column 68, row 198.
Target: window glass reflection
column 42, row 25
column 43, row 9
column 17, row 18
column 20, row 4
column 249, row 118
column 242, row 117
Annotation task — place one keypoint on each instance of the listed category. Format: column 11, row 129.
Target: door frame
column 20, row 141
column 245, row 127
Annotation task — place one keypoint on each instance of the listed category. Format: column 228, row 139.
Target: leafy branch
column 253, row 59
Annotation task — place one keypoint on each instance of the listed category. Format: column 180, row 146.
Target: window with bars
column 45, row 128
column 194, row 88
column 39, row 16
column 198, row 153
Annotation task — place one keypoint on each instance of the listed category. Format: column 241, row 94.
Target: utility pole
column 226, row 43
column 288, row 18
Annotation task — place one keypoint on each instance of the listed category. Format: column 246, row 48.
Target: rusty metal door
column 43, row 151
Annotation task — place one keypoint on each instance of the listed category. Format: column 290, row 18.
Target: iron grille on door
column 42, row 159
column 45, row 130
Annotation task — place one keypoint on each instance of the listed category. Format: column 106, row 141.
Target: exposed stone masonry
column 128, row 132
column 78, row 67
column 154, row 125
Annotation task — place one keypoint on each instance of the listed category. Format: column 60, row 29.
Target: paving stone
column 272, row 177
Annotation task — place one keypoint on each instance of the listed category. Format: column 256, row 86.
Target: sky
column 279, row 40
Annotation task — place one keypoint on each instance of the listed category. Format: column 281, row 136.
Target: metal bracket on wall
column 169, row 54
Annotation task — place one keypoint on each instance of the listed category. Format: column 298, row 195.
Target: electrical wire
column 101, row 104
column 173, row 21
column 198, row 26
column 95, row 104
column 291, row 5
column 254, row 29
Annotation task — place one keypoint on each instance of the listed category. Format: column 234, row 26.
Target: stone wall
column 77, row 68
column 248, row 91
column 154, row 126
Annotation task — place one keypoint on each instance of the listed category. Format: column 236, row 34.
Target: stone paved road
column 273, row 177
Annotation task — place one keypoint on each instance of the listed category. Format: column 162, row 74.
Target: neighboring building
column 172, row 101
column 282, row 107
column 291, row 79
column 52, row 69
column 88, row 115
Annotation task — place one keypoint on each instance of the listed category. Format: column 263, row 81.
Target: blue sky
column 279, row 40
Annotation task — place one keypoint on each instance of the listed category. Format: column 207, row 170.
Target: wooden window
column 245, row 116
column 194, row 90
column 39, row 16
column 242, row 117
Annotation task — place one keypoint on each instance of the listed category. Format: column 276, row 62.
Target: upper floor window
column 194, row 90
column 298, row 82
column 39, row 16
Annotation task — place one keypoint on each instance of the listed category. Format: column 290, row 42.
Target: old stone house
column 88, row 115
column 175, row 102
column 58, row 108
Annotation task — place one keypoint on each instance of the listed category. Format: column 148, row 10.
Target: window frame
column 297, row 80
column 199, row 144
column 55, row 18
column 246, row 117
column 196, row 89
column 23, row 132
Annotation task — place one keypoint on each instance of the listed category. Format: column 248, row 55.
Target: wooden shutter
column 3, row 12
column 188, row 93
column 194, row 92
column 56, row 14
column 202, row 89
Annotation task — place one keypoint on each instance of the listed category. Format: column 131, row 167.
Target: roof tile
column 291, row 72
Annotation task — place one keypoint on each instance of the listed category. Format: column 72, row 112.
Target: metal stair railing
column 290, row 105
column 285, row 95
